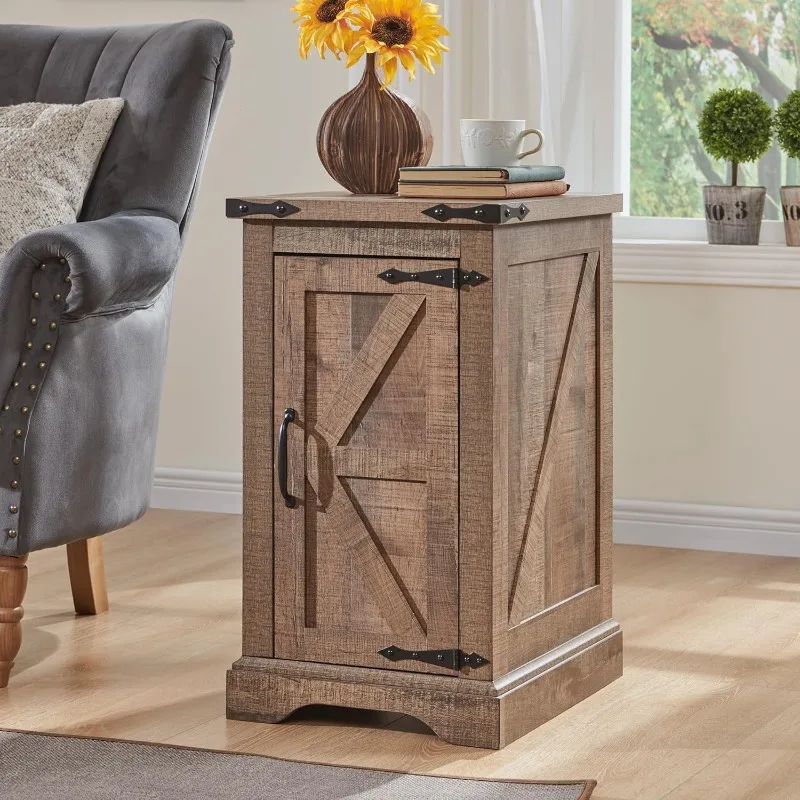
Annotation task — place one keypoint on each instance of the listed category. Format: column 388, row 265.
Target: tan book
column 500, row 191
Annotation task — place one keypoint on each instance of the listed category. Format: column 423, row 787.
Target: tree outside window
column 683, row 51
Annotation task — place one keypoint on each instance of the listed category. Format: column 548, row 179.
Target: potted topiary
column 787, row 124
column 736, row 125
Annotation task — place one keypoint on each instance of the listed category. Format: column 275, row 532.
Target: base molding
column 462, row 711
column 728, row 529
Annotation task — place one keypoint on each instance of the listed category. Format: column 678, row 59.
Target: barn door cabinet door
column 435, row 537
column 367, row 556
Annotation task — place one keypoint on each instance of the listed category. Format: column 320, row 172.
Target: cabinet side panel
column 550, row 445
column 476, row 556
column 551, row 428
column 257, row 419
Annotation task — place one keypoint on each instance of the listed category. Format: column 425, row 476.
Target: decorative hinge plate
column 489, row 214
column 244, row 208
column 451, row 659
column 454, row 277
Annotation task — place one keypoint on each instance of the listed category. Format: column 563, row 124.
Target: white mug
column 496, row 142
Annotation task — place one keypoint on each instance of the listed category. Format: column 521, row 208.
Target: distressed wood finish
column 388, row 241
column 463, row 712
column 257, row 620
column 87, row 576
column 13, row 582
column 451, row 458
column 367, row 135
column 369, row 556
column 341, row 208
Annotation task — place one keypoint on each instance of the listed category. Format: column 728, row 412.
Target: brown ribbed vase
column 369, row 133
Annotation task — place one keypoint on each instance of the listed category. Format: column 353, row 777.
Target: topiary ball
column 736, row 125
column 787, row 124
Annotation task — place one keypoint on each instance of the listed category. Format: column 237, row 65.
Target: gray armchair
column 84, row 308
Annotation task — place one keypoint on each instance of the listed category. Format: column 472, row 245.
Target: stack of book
column 482, row 182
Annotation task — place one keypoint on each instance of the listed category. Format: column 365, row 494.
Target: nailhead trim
column 48, row 300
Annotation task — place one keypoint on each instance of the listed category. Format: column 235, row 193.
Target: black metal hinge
column 454, row 277
column 244, row 208
column 489, row 214
column 451, row 659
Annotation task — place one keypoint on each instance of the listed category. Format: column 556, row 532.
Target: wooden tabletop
column 345, row 207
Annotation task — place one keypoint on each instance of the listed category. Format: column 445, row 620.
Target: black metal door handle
column 283, row 458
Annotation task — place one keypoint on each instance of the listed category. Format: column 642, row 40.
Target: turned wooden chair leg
column 13, row 582
column 87, row 576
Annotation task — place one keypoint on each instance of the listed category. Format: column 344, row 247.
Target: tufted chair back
column 169, row 76
column 85, row 307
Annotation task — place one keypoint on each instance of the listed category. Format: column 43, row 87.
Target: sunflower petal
column 407, row 60
column 389, row 71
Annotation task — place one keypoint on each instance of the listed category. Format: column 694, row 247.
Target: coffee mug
column 496, row 142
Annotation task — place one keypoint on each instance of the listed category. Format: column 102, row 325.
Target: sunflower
column 396, row 31
column 324, row 25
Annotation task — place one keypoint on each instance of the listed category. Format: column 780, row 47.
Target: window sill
column 659, row 261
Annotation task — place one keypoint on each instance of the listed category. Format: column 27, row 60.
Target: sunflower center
column 330, row 9
column 392, row 31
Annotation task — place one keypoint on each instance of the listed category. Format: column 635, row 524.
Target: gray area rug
column 49, row 767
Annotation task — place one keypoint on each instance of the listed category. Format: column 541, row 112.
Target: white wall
column 707, row 393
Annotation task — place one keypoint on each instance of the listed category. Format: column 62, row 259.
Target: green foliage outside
column 684, row 51
column 736, row 126
column 787, row 125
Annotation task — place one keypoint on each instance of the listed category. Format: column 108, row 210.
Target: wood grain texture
column 553, row 692
column 13, row 582
column 550, row 433
column 560, row 238
column 447, row 453
column 370, row 557
column 462, row 719
column 343, row 405
column 570, row 552
column 541, row 568
column 87, row 576
column 342, row 208
column 467, row 713
column 257, row 619
column 476, row 557
column 500, row 475
column 384, row 241
column 604, row 511
column 367, row 135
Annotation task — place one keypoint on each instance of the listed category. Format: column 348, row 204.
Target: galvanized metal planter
column 790, row 200
column 734, row 213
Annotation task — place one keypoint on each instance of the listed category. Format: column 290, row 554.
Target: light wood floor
column 709, row 705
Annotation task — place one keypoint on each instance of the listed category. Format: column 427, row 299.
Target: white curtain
column 545, row 61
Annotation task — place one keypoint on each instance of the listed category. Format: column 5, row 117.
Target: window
column 682, row 51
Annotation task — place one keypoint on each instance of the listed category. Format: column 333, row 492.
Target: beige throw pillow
column 48, row 157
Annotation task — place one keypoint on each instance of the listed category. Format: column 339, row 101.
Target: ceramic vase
column 369, row 133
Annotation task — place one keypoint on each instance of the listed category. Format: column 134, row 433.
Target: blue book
column 526, row 173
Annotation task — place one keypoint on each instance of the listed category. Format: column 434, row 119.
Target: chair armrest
column 118, row 263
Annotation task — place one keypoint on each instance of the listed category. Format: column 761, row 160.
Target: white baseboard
column 645, row 522
column 728, row 529
column 197, row 490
